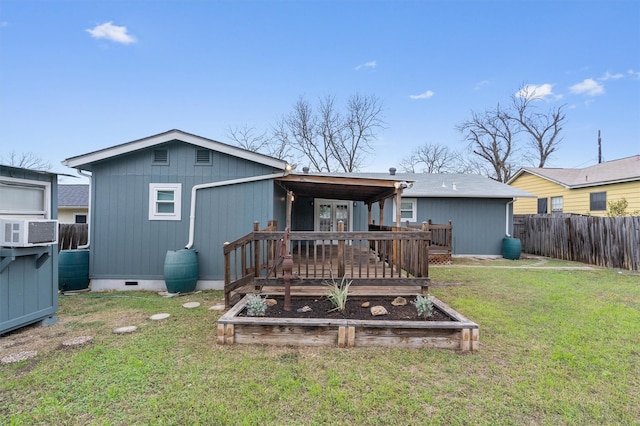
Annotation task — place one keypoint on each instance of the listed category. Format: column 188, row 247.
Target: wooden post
column 369, row 219
column 341, row 262
column 381, row 221
column 227, row 276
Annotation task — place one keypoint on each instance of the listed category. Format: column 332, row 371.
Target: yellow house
column 582, row 191
column 73, row 203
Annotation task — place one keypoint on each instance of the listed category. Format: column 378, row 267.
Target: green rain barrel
column 73, row 270
column 511, row 248
column 181, row 271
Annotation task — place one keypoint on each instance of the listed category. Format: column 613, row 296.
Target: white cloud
column 588, row 87
column 426, row 95
column 609, row 76
column 634, row 74
column 370, row 65
column 112, row 32
column 533, row 91
column 481, row 84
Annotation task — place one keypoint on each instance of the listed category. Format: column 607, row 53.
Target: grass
column 557, row 347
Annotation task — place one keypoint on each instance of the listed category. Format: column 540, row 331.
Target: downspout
column 506, row 217
column 90, row 177
column 195, row 188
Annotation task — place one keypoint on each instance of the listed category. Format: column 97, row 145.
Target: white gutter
column 192, row 215
column 506, row 217
column 86, row 246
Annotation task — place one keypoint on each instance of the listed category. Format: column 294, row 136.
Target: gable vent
column 160, row 156
column 203, row 156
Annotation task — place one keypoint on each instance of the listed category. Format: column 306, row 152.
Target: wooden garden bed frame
column 459, row 334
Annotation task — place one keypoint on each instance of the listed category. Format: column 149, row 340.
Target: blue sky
column 78, row 76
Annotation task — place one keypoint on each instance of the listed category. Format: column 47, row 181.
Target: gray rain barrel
column 73, row 270
column 181, row 271
column 511, row 248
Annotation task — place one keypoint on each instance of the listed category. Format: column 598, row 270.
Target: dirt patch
column 321, row 307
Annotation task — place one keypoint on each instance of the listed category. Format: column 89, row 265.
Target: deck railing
column 371, row 258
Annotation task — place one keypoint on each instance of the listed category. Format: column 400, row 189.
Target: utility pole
column 599, row 148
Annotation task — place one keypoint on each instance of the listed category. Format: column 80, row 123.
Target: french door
column 329, row 212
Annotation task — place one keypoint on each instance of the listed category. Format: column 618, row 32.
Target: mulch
column 321, row 307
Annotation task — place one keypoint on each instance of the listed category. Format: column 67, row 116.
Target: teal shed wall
column 125, row 244
column 478, row 223
column 29, row 283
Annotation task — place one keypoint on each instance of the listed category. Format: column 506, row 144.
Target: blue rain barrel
column 181, row 271
column 511, row 248
column 73, row 270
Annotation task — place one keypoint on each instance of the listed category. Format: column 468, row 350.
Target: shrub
column 338, row 293
column 256, row 306
column 423, row 305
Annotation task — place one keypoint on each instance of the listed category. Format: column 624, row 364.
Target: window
column 542, row 206
column 160, row 156
column 80, row 218
column 24, row 197
column 556, row 204
column 165, row 201
column 203, row 157
column 408, row 210
column 598, row 201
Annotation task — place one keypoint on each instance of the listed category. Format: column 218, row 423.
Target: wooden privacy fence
column 373, row 258
column 612, row 242
column 72, row 235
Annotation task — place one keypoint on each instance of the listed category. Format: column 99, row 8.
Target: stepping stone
column 217, row 308
column 125, row 330
column 78, row 341
column 158, row 317
column 190, row 305
column 17, row 357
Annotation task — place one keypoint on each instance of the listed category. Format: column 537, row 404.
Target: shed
column 28, row 247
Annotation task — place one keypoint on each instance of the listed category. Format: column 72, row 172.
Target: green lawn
column 557, row 347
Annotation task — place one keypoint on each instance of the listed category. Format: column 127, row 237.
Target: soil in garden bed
column 320, row 307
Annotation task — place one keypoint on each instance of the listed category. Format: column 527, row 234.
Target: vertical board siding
column 478, row 223
column 127, row 245
column 612, row 242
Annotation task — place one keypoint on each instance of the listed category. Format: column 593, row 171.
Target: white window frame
column 154, row 188
column 45, row 187
column 414, row 209
column 554, row 202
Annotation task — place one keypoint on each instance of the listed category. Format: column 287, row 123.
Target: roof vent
column 392, row 171
column 305, row 170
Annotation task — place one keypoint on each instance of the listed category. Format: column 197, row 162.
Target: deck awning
column 342, row 187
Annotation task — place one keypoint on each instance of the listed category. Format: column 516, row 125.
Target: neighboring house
column 28, row 247
column 73, row 203
column 175, row 190
column 581, row 191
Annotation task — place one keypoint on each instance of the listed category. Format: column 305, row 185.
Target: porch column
column 381, row 222
column 398, row 209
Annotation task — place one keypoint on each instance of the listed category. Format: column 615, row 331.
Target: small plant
column 424, row 306
column 338, row 293
column 256, row 306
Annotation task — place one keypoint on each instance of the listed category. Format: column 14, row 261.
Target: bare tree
column 432, row 158
column 543, row 129
column 27, row 160
column 328, row 140
column 252, row 140
column 491, row 135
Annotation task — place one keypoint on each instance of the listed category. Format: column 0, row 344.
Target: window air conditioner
column 28, row 232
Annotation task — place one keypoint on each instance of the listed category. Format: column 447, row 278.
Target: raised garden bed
column 450, row 330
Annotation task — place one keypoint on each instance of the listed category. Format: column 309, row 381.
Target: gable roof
column 85, row 161
column 432, row 185
column 614, row 171
column 73, row 195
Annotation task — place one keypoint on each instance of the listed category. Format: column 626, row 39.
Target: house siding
column 574, row 200
column 478, row 223
column 127, row 245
